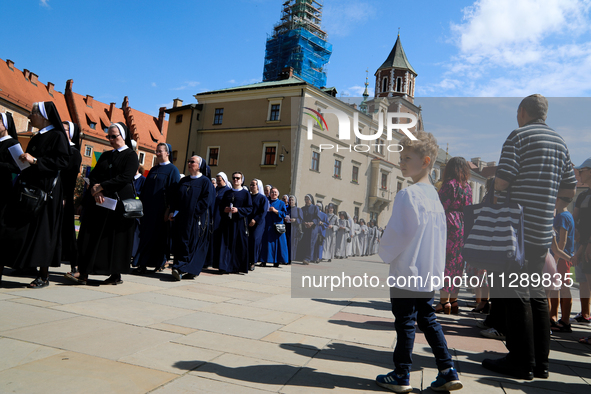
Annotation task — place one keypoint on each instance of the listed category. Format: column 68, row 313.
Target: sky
column 154, row 51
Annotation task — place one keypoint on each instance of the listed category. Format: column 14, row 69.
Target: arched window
column 399, row 84
column 385, row 84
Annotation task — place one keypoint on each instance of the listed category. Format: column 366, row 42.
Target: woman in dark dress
column 274, row 244
column 105, row 239
column 311, row 221
column 293, row 226
column 69, row 176
column 256, row 221
column 29, row 241
column 8, row 167
column 233, row 228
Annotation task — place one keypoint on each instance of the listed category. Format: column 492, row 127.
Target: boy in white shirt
column 414, row 246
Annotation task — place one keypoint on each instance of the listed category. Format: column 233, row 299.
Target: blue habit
column 308, row 241
column 154, row 246
column 318, row 248
column 194, row 201
column 234, row 231
column 213, row 256
column 294, row 230
column 256, row 232
column 275, row 245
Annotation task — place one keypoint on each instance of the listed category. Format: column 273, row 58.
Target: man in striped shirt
column 535, row 165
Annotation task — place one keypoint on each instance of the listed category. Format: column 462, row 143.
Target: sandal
column 455, row 309
column 38, row 283
column 485, row 309
column 77, row 280
column 585, row 340
column 561, row 327
column 445, row 308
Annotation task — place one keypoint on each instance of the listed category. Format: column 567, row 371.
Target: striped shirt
column 536, row 163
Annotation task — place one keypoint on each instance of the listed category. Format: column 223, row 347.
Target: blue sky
column 154, row 51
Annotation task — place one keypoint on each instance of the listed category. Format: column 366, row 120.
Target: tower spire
column 363, row 106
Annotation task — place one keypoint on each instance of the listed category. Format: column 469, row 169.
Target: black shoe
column 176, row 274
column 503, row 367
column 188, row 276
column 251, row 268
column 275, row 265
column 139, row 271
column 541, row 373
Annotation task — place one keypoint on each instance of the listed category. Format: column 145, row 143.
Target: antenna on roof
column 398, row 32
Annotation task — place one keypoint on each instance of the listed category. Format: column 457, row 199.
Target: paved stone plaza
column 234, row 334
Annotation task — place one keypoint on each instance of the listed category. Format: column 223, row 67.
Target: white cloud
column 44, row 3
column 518, row 47
column 357, row 91
column 187, row 84
column 340, row 17
column 232, row 81
column 154, row 84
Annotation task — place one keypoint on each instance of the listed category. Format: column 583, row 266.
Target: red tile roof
column 23, row 88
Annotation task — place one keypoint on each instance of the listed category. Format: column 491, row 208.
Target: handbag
column 493, row 235
column 31, row 199
column 280, row 228
column 132, row 207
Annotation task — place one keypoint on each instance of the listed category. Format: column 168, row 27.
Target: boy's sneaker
column 395, row 383
column 447, row 382
column 580, row 319
column 493, row 334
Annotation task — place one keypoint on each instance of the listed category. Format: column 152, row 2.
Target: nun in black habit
column 105, row 239
column 235, row 206
column 256, row 221
column 294, row 222
column 35, row 241
column 310, row 228
column 154, row 246
column 69, row 176
column 213, row 257
column 190, row 211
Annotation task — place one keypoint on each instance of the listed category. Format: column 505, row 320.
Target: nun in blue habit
column 213, row 256
column 154, row 247
column 190, row 211
column 256, row 221
column 234, row 208
column 322, row 225
column 275, row 244
column 294, row 222
column 310, row 228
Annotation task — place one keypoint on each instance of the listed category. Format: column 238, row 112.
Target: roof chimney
column 26, row 73
column 161, row 114
column 33, row 77
column 10, row 64
column 177, row 102
column 89, row 100
column 111, row 111
column 50, row 86
column 69, row 84
column 286, row 73
column 125, row 102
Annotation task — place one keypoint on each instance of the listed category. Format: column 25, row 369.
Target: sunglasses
column 237, row 177
column 113, row 137
column 191, row 161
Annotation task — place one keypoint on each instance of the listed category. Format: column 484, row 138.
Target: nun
column 256, row 221
column 190, row 212
column 105, row 239
column 275, row 242
column 154, row 247
column 330, row 239
column 322, row 225
column 342, row 236
column 31, row 239
column 268, row 191
column 350, row 240
column 8, row 168
column 293, row 226
column 356, row 241
column 311, row 222
column 371, row 236
column 213, row 256
column 363, row 237
column 69, row 177
column 235, row 206
column 285, row 199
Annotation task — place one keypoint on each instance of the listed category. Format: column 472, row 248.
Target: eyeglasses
column 237, row 177
column 191, row 161
column 113, row 137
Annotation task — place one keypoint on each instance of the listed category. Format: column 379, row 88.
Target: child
column 414, row 245
column 563, row 249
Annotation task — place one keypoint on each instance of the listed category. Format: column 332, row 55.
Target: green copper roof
column 397, row 59
column 260, row 85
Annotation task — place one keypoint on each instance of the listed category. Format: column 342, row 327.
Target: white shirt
column 196, row 176
column 165, row 163
column 136, row 176
column 5, row 138
column 121, row 149
column 414, row 240
column 46, row 129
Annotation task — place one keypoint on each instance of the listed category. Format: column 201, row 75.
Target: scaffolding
column 298, row 42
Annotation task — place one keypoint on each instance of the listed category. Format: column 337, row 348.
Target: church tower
column 396, row 77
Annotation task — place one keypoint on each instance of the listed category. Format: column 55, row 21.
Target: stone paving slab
column 33, row 302
column 16, row 315
column 16, row 353
column 168, row 300
column 61, row 294
column 75, row 373
column 190, row 384
column 252, row 313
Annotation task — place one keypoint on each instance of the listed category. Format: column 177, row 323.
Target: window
column 212, row 156
column 399, row 84
column 275, row 111
column 88, row 151
column 142, row 157
column 379, row 147
column 357, row 139
column 337, row 168
column 373, row 216
column 357, row 212
column 315, row 161
column 399, row 187
column 179, row 118
column 92, row 125
column 384, row 180
column 355, row 175
column 269, row 154
column 153, row 161
column 219, row 116
column 410, row 88
column 385, row 84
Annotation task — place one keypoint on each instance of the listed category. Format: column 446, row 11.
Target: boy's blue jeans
column 408, row 307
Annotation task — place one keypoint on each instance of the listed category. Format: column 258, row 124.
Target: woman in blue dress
column 275, row 242
column 256, row 221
